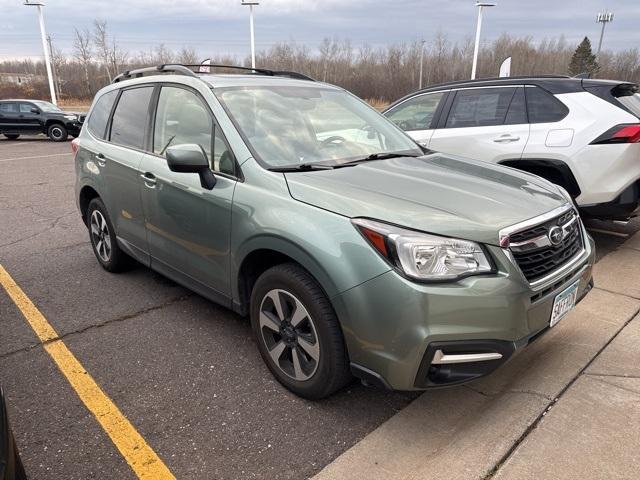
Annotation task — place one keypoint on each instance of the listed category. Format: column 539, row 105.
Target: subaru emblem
column 556, row 235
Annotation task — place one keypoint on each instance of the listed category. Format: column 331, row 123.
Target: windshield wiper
column 379, row 156
column 302, row 167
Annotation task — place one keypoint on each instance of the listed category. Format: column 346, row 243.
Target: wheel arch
column 53, row 121
column 556, row 171
column 261, row 253
column 87, row 193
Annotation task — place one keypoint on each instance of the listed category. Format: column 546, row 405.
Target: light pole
column 422, row 42
column 251, row 4
column 47, row 58
column 480, row 6
column 603, row 18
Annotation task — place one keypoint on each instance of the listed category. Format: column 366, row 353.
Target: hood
column 436, row 193
column 64, row 112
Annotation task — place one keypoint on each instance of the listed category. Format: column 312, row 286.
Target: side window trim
column 514, row 96
column 439, row 110
column 154, row 101
column 446, row 109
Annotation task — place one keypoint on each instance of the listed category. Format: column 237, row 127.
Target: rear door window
column 97, row 123
column 8, row 108
column 130, row 117
column 480, row 107
column 416, row 113
column 544, row 107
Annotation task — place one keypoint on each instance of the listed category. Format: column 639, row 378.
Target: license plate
column 563, row 303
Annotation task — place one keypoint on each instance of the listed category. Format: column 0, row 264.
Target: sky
column 218, row 27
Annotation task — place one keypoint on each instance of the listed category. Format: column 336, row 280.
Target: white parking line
column 38, row 156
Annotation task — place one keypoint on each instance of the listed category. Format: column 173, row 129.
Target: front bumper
column 622, row 207
column 393, row 326
column 73, row 127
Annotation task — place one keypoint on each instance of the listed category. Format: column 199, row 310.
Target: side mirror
column 35, row 110
column 190, row 158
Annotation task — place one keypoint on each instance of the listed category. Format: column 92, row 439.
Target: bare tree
column 188, row 56
column 381, row 73
column 82, row 53
column 101, row 42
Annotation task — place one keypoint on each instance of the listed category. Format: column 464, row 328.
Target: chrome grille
column 535, row 253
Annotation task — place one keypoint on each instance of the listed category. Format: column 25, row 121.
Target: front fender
column 288, row 248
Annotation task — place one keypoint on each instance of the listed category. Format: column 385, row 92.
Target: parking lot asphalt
column 185, row 372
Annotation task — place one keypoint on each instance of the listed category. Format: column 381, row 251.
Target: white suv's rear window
column 632, row 102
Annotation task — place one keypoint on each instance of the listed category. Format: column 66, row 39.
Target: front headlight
column 423, row 256
column 71, row 117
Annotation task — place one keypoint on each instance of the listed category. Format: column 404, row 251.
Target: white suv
column 578, row 133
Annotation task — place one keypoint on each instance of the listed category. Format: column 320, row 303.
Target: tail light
column 75, row 145
column 624, row 133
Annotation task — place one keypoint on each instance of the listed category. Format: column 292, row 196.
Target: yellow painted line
column 141, row 458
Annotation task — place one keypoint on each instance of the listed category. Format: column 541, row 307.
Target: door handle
column 506, row 138
column 101, row 159
column 149, row 179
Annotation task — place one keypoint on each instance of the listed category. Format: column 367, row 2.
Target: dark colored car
column 10, row 464
column 31, row 117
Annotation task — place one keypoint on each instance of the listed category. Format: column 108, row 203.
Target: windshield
column 306, row 125
column 46, row 106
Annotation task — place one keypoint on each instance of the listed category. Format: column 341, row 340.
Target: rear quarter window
column 97, row 123
column 544, row 107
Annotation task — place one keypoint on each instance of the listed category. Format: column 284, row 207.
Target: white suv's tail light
column 624, row 133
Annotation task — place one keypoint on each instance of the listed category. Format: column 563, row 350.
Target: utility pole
column 47, row 58
column 422, row 42
column 476, row 47
column 251, row 4
column 603, row 18
column 56, row 79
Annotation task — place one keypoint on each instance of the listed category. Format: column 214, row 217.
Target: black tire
column 331, row 370
column 12, row 136
column 57, row 132
column 112, row 259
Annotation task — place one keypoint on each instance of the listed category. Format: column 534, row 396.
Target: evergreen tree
column 583, row 60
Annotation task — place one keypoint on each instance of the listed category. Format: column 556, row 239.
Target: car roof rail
column 164, row 68
column 190, row 70
column 257, row 71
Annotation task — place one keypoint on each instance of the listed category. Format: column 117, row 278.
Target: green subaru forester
column 353, row 251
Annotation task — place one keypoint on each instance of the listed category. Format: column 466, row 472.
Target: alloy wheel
column 56, row 133
column 100, row 236
column 289, row 334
